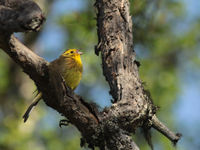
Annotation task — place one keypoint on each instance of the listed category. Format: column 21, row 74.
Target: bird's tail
column 34, row 103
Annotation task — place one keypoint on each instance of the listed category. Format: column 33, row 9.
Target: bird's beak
column 80, row 53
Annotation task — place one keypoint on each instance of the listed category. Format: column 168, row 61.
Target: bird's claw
column 63, row 122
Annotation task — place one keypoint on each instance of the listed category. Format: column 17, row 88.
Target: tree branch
column 31, row 63
column 133, row 105
column 111, row 128
column 49, row 82
column 158, row 125
column 20, row 16
column 119, row 139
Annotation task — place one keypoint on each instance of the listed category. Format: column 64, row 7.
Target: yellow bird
column 69, row 65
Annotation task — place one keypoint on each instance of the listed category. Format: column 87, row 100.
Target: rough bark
column 112, row 128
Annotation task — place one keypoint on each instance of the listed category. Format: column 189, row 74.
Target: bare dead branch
column 51, row 84
column 133, row 104
column 20, row 16
column 158, row 125
column 120, row 140
column 55, row 93
column 31, row 63
column 111, row 128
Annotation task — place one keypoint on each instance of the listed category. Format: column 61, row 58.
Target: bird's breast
column 72, row 73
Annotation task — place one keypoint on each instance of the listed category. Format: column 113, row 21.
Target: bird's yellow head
column 72, row 53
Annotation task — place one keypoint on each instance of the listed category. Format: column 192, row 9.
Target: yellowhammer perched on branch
column 69, row 65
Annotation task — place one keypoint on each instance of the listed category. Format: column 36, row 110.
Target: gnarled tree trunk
column 132, row 108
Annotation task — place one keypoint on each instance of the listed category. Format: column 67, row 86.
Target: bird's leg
column 63, row 122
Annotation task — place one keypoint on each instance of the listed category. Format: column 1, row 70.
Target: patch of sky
column 142, row 52
column 186, row 109
column 61, row 7
column 188, row 104
column 101, row 96
column 192, row 7
column 189, row 18
column 52, row 41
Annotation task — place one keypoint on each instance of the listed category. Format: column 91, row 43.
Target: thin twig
column 158, row 125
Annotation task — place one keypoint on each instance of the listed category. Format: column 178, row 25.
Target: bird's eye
column 72, row 52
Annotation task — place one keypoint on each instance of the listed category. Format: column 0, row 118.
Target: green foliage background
column 165, row 42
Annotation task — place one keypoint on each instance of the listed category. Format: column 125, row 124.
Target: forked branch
column 110, row 129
